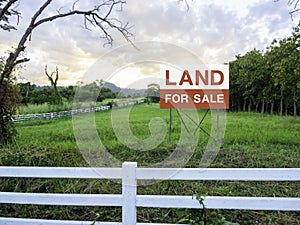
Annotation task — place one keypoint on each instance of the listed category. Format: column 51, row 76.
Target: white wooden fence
column 57, row 115
column 129, row 200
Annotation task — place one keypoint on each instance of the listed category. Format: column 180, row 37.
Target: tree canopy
column 268, row 81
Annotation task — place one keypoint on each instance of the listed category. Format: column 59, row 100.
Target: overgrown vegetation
column 9, row 102
column 251, row 140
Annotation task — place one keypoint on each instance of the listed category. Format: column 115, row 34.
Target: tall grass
column 43, row 108
column 251, row 140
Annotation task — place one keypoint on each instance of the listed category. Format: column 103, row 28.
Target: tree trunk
column 295, row 104
column 286, row 108
column 281, row 104
column 272, row 108
column 256, row 108
column 262, row 106
column 249, row 106
column 244, row 105
column 2, row 116
column 239, row 105
column 233, row 106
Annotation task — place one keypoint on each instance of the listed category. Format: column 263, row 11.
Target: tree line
column 33, row 94
column 268, row 81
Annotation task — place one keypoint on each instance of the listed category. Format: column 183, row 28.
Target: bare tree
column 53, row 78
column 50, row 77
column 98, row 16
column 92, row 17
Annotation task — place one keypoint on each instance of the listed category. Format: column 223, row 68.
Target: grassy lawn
column 251, row 140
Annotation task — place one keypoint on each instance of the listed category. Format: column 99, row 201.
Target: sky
column 213, row 30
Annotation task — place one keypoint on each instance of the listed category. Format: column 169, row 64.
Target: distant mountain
column 42, row 87
column 125, row 91
column 133, row 92
column 112, row 87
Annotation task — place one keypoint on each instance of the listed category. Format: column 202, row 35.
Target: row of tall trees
column 268, row 81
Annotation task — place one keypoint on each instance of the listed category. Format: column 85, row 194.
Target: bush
column 9, row 102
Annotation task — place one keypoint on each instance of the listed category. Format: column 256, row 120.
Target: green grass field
column 251, row 140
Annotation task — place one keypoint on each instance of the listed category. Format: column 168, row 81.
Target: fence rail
column 57, row 115
column 129, row 200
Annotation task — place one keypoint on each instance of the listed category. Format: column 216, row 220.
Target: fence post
column 129, row 190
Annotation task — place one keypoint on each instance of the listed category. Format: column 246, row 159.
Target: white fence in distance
column 129, row 200
column 57, row 115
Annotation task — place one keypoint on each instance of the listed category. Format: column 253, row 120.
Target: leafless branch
column 50, row 77
column 74, row 5
column 19, row 61
column 293, row 12
column 294, row 5
column 46, row 71
column 186, row 3
column 58, row 11
column 112, row 6
column 10, row 62
column 6, row 12
column 92, row 17
column 6, row 8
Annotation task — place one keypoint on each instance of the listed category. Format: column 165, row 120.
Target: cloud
column 216, row 31
column 272, row 16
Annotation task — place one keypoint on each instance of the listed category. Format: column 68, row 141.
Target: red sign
column 204, row 87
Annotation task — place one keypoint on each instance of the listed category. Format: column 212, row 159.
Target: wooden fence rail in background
column 129, row 200
column 56, row 115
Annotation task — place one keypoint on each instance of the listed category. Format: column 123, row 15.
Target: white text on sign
column 195, row 87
